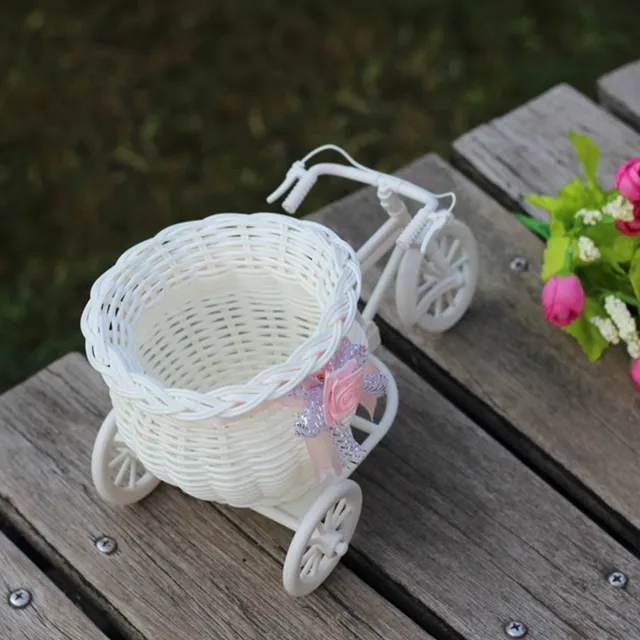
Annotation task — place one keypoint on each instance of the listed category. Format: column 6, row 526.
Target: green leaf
column 537, row 226
column 548, row 203
column 615, row 247
column 554, row 256
column 599, row 276
column 634, row 273
column 588, row 335
column 588, row 154
column 562, row 209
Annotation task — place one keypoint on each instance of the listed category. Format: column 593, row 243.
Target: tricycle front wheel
column 118, row 475
column 435, row 290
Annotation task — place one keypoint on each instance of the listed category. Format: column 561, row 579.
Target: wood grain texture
column 529, row 151
column 619, row 91
column 528, row 373
column 50, row 616
column 183, row 569
column 450, row 518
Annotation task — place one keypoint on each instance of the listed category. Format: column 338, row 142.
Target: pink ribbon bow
column 330, row 397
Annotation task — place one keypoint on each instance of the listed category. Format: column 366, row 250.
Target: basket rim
column 227, row 401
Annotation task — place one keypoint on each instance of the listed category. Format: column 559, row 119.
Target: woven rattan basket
column 199, row 330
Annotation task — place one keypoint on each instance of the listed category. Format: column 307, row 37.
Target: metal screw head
column 20, row 598
column 617, row 579
column 518, row 264
column 516, row 629
column 106, row 545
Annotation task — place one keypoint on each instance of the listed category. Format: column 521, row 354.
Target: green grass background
column 119, row 117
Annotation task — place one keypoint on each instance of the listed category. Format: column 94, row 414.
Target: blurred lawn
column 118, row 118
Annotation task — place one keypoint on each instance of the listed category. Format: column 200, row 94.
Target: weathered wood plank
column 619, row 91
column 49, row 616
column 461, row 526
column 183, row 569
column 528, row 150
column 520, row 370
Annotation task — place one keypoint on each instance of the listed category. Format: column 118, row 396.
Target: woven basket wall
column 199, row 330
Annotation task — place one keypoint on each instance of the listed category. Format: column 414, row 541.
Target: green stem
column 568, row 259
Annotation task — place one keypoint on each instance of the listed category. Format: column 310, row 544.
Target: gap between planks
column 51, row 614
column 619, row 91
column 528, row 151
column 56, row 577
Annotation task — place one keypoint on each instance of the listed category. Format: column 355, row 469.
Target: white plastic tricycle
column 220, row 339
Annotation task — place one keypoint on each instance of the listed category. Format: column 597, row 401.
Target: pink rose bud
column 631, row 228
column 343, row 390
column 635, row 372
column 562, row 300
column 628, row 179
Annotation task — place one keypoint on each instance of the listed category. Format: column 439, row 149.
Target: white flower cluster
column 607, row 329
column 620, row 209
column 626, row 325
column 589, row 216
column 587, row 250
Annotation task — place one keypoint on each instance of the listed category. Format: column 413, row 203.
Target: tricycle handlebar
column 306, row 178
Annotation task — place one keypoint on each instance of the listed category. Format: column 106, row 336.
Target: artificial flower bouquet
column 591, row 267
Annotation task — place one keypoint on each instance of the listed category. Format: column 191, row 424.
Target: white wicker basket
column 196, row 330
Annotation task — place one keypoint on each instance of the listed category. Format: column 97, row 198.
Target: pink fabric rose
column 628, row 179
column 343, row 390
column 632, row 227
column 562, row 300
column 635, row 372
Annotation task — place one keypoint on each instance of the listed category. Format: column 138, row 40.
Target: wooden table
column 508, row 489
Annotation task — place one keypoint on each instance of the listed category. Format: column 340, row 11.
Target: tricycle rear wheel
column 119, row 477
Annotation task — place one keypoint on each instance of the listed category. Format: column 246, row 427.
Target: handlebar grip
column 297, row 169
column 414, row 228
column 291, row 203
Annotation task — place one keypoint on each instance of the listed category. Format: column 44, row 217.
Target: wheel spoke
column 334, row 514
column 439, row 307
column 316, row 563
column 436, row 292
column 313, row 548
column 339, row 521
column 430, row 270
column 133, row 473
column 426, row 287
column 122, row 472
column 441, row 263
column 118, row 459
column 453, row 249
column 462, row 260
column 311, row 564
column 443, row 246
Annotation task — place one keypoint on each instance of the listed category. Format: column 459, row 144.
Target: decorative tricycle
column 223, row 338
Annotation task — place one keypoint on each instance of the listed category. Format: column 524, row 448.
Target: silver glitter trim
column 346, row 445
column 375, row 384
